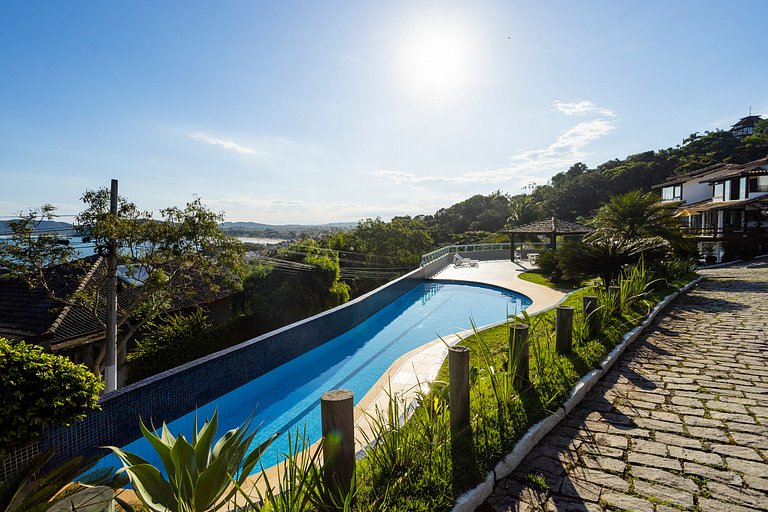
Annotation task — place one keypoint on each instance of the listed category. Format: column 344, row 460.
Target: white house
column 722, row 202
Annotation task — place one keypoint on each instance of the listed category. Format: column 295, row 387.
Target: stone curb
column 473, row 498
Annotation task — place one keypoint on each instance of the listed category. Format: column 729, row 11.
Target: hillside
column 65, row 228
column 283, row 230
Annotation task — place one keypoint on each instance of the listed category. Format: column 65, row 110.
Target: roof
column 551, row 225
column 745, row 122
column 682, row 178
column 753, row 168
column 32, row 315
column 709, row 205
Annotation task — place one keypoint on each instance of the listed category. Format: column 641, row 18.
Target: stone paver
column 679, row 423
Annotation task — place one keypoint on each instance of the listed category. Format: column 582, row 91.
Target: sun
column 437, row 60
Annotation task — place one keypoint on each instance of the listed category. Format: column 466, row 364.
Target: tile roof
column 708, row 204
column 755, row 167
column 551, row 225
column 30, row 314
column 682, row 178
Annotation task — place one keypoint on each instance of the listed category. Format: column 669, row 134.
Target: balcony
column 725, row 233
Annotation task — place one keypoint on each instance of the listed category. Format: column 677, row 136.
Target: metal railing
column 725, row 232
column 428, row 258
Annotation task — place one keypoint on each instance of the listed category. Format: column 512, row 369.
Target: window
column 734, row 193
column 672, row 193
column 758, row 184
column 717, row 191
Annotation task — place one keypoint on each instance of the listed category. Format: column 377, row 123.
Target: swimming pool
column 288, row 397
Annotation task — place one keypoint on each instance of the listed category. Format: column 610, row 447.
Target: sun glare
column 437, row 60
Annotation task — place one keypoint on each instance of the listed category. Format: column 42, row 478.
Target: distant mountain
column 283, row 230
column 65, row 228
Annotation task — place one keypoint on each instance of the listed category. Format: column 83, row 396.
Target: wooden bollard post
column 564, row 329
column 338, row 423
column 458, row 372
column 518, row 339
column 589, row 303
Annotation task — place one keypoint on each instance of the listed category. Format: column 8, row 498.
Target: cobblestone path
column 679, row 423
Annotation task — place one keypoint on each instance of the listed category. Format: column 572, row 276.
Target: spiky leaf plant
column 199, row 472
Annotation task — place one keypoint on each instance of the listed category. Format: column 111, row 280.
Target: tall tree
column 636, row 215
column 180, row 259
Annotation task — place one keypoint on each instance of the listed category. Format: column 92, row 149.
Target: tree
column 606, row 257
column 181, row 259
column 636, row 215
column 400, row 242
column 523, row 209
column 303, row 280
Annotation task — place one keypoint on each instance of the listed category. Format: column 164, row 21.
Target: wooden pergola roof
column 551, row 226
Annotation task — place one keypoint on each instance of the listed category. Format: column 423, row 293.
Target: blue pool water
column 288, row 397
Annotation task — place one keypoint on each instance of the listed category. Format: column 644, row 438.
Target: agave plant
column 199, row 472
column 26, row 491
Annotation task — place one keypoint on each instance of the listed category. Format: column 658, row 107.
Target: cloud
column 582, row 108
column 525, row 166
column 226, row 144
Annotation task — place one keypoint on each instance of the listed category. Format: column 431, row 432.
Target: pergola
column 550, row 227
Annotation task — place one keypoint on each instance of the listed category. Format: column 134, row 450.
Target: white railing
column 451, row 249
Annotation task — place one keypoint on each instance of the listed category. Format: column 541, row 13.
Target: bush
column 743, row 250
column 40, row 390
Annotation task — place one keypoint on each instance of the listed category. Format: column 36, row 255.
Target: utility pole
column 110, row 373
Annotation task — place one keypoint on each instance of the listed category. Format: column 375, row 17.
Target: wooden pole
column 518, row 339
column 564, row 329
column 338, row 424
column 111, row 370
column 589, row 303
column 458, row 374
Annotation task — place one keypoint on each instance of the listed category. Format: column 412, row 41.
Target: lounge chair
column 459, row 262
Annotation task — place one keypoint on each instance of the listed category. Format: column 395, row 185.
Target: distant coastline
column 261, row 240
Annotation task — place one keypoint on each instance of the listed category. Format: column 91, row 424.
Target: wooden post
column 512, row 246
column 589, row 303
column 458, row 374
column 518, row 340
column 338, row 423
column 564, row 329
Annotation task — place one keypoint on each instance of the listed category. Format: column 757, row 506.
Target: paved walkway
column 680, row 422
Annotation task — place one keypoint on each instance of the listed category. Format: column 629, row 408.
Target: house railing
column 725, row 232
column 452, row 249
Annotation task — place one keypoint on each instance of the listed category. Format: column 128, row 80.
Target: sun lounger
column 458, row 262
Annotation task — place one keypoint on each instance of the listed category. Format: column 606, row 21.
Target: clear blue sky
column 324, row 111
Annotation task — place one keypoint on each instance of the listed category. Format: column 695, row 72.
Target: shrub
column 199, row 472
column 742, row 250
column 40, row 390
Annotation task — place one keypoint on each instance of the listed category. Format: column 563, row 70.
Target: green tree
column 179, row 259
column 636, row 215
column 523, row 209
column 304, row 279
column 606, row 257
column 400, row 242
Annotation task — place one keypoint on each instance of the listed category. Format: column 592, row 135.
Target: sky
column 327, row 111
